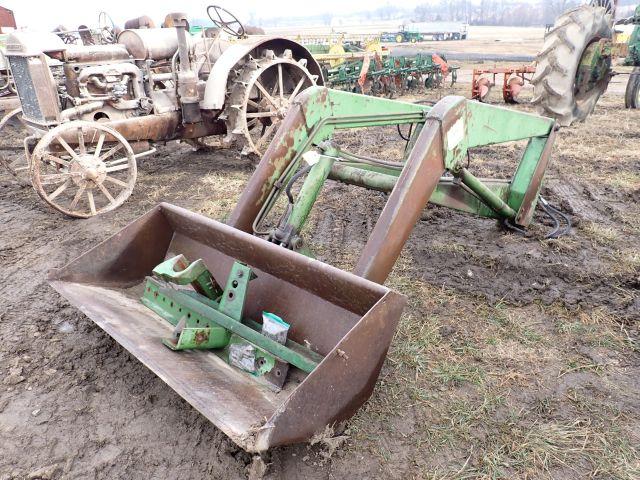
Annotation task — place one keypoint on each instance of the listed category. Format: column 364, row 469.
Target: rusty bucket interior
column 347, row 320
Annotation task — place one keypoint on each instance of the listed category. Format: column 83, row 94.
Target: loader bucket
column 347, row 320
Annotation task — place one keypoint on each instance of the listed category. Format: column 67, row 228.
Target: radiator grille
column 26, row 89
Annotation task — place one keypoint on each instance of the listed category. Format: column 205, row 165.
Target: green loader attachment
column 436, row 168
column 269, row 344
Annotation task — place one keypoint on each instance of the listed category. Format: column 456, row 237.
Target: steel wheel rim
column 96, row 178
column 276, row 98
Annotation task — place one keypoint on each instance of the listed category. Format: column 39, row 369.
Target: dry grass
column 454, row 382
column 219, row 193
column 601, row 234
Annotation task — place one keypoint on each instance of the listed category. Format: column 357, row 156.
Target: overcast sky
column 47, row 14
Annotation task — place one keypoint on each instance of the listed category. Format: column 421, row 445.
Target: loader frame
column 440, row 143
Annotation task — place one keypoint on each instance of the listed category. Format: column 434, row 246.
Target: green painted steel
column 633, row 55
column 304, row 362
column 389, row 75
column 310, row 190
column 194, row 273
column 205, row 323
column 594, row 66
column 362, row 177
column 464, row 201
column 448, row 194
column 235, row 292
column 490, row 124
column 206, row 338
column 175, row 313
column 474, row 125
column 487, row 195
column 525, row 173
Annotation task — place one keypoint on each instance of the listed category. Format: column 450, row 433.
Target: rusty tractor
column 7, row 87
column 105, row 33
column 93, row 109
column 268, row 343
column 575, row 65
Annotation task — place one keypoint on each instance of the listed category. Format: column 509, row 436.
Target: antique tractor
column 105, row 33
column 7, row 22
column 92, row 109
column 269, row 344
column 575, row 65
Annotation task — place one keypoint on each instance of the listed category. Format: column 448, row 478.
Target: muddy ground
column 516, row 358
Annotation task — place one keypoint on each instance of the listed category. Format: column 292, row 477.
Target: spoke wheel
column 262, row 98
column 7, row 85
column 19, row 166
column 83, row 169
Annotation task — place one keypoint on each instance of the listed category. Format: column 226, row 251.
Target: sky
column 47, row 14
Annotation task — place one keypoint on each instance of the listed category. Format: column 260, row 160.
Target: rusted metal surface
column 100, row 178
column 333, row 310
column 415, row 185
column 153, row 43
column 165, row 126
column 9, row 103
column 36, row 89
column 514, row 78
column 95, row 53
column 142, row 22
column 274, row 162
column 146, row 92
column 217, row 82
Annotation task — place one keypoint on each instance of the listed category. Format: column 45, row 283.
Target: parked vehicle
column 423, row 31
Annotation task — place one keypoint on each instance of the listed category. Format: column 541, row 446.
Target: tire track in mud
column 475, row 256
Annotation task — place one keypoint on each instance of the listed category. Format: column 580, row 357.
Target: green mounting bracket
column 178, row 270
column 204, row 323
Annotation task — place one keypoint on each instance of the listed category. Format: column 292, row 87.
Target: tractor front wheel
column 83, row 169
column 632, row 95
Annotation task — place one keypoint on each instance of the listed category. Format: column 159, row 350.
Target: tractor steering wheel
column 107, row 27
column 227, row 22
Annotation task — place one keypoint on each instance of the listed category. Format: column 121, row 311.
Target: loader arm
column 442, row 138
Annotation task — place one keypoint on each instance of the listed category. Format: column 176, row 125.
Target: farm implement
column 392, row 75
column 269, row 344
column 513, row 79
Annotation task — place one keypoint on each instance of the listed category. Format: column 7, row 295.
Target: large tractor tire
column 632, row 95
column 554, row 80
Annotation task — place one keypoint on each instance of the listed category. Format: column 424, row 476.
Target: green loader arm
column 440, row 143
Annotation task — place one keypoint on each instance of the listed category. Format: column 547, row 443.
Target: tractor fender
column 216, row 87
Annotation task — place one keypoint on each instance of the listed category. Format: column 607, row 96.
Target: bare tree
column 552, row 9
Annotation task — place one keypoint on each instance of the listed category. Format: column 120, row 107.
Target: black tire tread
column 557, row 63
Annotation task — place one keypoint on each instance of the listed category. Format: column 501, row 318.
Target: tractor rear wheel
column 632, row 95
column 260, row 96
column 556, row 92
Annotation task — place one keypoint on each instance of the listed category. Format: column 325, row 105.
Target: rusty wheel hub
column 88, row 171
